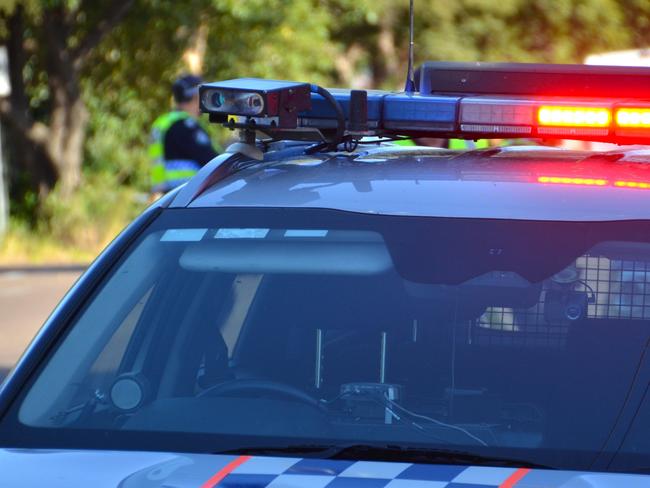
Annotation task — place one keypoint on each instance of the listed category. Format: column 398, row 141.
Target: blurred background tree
column 49, row 44
column 89, row 76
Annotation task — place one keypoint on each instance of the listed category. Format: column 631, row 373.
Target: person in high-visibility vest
column 468, row 145
column 456, row 144
column 179, row 146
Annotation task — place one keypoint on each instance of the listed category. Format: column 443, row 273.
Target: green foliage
column 116, row 146
column 93, row 216
column 269, row 38
column 73, row 229
column 142, row 56
column 127, row 82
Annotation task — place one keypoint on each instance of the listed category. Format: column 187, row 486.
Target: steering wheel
column 248, row 386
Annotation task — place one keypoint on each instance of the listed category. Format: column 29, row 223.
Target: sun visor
column 291, row 252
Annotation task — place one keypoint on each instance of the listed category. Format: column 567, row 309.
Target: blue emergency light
column 455, row 100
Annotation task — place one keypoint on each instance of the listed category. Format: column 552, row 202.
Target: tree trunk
column 386, row 61
column 53, row 153
column 66, row 136
column 25, row 138
column 69, row 118
column 194, row 55
column 347, row 69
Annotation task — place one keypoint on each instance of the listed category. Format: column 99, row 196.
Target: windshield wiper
column 368, row 452
column 88, row 406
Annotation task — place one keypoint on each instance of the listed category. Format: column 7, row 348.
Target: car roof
column 516, row 182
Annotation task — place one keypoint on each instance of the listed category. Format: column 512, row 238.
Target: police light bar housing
column 253, row 97
column 461, row 100
column 563, row 80
column 323, row 115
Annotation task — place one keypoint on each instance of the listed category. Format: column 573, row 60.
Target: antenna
column 410, row 83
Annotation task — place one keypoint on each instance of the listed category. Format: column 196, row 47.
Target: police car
column 320, row 307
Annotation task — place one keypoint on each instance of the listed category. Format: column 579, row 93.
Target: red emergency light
column 633, row 117
column 563, row 116
column 545, row 101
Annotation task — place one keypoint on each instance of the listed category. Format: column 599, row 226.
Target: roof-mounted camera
column 278, row 101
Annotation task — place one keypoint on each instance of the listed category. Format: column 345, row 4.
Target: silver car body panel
column 494, row 184
column 32, row 468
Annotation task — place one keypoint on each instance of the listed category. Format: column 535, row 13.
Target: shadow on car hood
column 32, row 468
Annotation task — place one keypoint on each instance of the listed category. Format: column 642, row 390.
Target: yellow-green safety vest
column 167, row 174
column 466, row 145
column 456, row 144
column 405, row 142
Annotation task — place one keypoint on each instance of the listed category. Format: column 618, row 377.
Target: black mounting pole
column 410, row 83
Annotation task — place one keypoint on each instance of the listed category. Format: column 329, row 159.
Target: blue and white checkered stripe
column 268, row 472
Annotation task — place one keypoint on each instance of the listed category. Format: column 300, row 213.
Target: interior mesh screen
column 605, row 289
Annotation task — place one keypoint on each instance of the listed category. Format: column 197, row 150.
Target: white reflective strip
column 497, row 129
column 497, row 111
column 183, row 235
column 305, row 233
column 573, row 131
column 241, row 233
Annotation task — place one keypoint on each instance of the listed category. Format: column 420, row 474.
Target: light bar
column 589, row 181
column 497, row 115
column 539, row 80
column 632, row 122
column 323, row 115
column 633, row 117
column 456, row 100
column 566, row 116
column 528, row 117
column 644, row 185
column 415, row 112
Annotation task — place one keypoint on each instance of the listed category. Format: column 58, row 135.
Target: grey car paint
column 31, row 468
column 496, row 183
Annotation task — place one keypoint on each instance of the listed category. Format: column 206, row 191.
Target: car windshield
column 235, row 329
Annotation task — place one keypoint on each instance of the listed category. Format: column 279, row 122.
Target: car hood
column 112, row 469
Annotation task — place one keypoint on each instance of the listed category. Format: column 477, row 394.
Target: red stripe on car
column 225, row 471
column 514, row 478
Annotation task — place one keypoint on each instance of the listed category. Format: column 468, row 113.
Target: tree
column 82, row 67
column 49, row 46
column 373, row 34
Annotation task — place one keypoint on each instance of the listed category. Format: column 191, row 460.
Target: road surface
column 27, row 296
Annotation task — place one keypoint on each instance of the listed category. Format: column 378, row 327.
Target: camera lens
column 217, row 99
column 573, row 312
